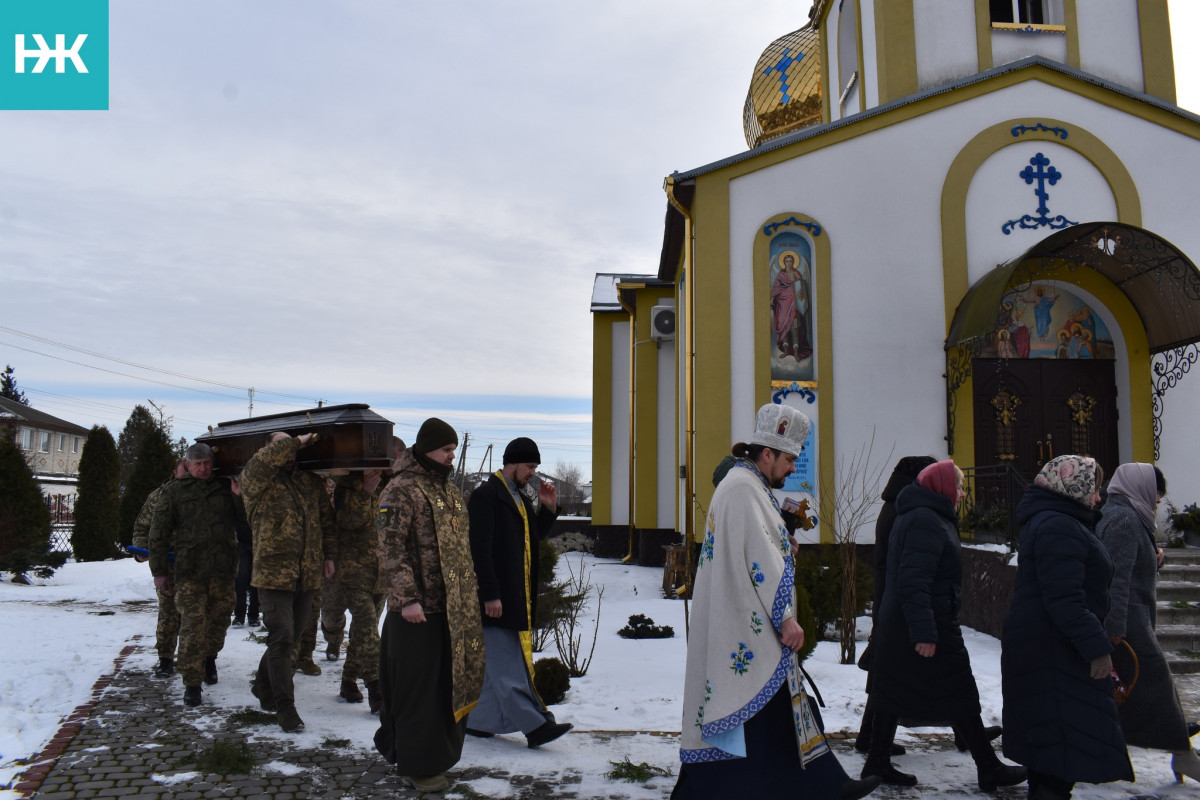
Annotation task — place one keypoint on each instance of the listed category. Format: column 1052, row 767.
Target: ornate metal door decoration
column 1005, row 404
column 1039, row 171
column 1081, row 406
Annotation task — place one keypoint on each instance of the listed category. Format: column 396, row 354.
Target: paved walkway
column 127, row 742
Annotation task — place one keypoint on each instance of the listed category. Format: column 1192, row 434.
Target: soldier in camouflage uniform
column 197, row 515
column 359, row 581
column 294, row 545
column 166, row 635
column 431, row 651
column 333, row 599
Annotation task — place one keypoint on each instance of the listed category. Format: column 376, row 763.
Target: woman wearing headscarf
column 903, row 474
column 1060, row 719
column 921, row 666
column 1151, row 716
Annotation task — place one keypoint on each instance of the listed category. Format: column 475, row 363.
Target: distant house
column 52, row 447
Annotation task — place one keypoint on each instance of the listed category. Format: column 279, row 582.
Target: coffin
column 349, row 437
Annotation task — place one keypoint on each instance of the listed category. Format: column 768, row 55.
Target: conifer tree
column 155, row 460
column 98, row 507
column 24, row 517
column 8, row 386
column 140, row 423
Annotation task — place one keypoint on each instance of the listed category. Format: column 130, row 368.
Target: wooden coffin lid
column 349, row 437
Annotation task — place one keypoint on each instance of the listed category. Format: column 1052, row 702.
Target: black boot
column 210, row 670
column 262, row 690
column 374, row 696
column 166, row 666
column 191, row 695
column 992, row 772
column 879, row 758
column 992, row 732
column 854, row 789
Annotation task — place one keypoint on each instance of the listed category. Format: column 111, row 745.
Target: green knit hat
column 433, row 435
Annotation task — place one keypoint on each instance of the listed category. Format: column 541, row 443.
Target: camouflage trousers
column 304, row 646
column 205, row 605
column 362, row 655
column 333, row 612
column 166, row 635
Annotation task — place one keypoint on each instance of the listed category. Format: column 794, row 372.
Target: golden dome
column 785, row 92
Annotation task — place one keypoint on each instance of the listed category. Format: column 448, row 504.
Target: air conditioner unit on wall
column 662, row 323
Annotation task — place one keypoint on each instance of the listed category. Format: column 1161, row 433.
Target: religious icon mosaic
column 791, row 308
column 1048, row 321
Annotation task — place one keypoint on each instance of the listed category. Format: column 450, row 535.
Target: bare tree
column 569, row 480
column 846, row 505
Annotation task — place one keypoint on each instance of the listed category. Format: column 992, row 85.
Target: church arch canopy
column 1160, row 281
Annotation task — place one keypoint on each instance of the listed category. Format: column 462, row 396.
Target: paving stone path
column 127, row 742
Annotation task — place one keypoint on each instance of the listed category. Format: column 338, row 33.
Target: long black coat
column 498, row 550
column 1057, row 719
column 921, row 604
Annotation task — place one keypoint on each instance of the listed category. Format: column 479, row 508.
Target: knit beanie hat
column 781, row 428
column 434, row 434
column 940, row 477
column 522, row 450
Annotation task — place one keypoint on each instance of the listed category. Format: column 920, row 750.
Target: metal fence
column 988, row 513
column 60, row 537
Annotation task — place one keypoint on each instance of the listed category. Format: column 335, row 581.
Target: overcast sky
column 391, row 202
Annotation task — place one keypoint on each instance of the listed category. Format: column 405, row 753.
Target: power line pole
column 462, row 462
column 250, row 391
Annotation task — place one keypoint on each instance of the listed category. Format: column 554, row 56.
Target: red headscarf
column 942, row 478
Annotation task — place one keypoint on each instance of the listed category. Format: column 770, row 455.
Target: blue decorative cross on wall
column 1039, row 171
column 785, row 62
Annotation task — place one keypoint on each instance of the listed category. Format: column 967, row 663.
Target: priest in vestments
column 748, row 728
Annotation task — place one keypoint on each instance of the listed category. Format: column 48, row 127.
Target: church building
column 962, row 229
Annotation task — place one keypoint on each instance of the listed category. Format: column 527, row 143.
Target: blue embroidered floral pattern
column 741, row 659
column 756, row 575
column 756, row 623
column 706, row 549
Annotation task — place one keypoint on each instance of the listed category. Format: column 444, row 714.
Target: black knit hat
column 434, row 434
column 522, row 451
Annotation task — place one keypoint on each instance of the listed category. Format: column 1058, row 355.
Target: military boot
column 374, row 696
column 306, row 665
column 350, row 692
column 191, row 695
column 210, row 670
column 289, row 719
column 165, row 668
column 265, row 697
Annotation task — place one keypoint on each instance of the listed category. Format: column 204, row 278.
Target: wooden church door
column 1027, row 411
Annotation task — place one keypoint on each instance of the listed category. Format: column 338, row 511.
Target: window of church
column 847, row 47
column 1027, row 12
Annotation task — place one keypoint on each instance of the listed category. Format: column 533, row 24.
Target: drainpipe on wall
column 689, row 357
column 631, row 307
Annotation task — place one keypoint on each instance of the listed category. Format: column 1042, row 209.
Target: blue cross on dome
column 782, row 66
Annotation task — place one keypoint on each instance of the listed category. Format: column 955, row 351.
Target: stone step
column 1181, row 555
column 1170, row 591
column 1182, row 665
column 1171, row 614
column 1182, row 640
column 1180, row 572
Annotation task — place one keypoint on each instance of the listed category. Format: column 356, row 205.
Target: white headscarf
column 1136, row 483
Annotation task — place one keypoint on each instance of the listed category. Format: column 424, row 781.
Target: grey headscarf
column 1136, row 483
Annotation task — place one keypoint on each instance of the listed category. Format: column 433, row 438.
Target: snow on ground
column 65, row 632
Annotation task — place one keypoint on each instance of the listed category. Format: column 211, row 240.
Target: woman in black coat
column 1060, row 719
column 921, row 666
column 903, row 475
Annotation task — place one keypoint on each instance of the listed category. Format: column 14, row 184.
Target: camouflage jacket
column 198, row 520
column 425, row 555
column 355, row 510
column 291, row 520
column 141, row 525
